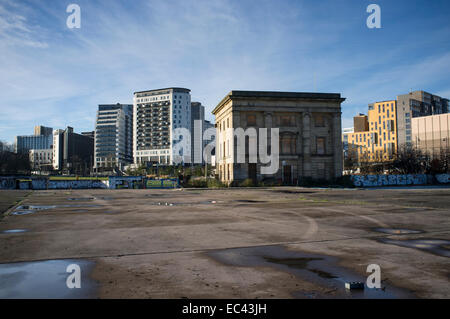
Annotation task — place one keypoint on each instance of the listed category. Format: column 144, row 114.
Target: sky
column 55, row 76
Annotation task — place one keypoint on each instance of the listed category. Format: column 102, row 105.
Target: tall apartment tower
column 197, row 129
column 157, row 114
column 416, row 104
column 114, row 136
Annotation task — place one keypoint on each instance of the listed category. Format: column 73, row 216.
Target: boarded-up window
column 251, row 120
column 319, row 120
column 287, row 143
column 320, row 146
column 287, row 120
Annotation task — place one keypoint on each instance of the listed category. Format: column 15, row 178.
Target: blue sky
column 55, row 76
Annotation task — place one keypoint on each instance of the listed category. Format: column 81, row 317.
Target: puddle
column 168, row 204
column 34, row 207
column 397, row 231
column 438, row 247
column 14, row 231
column 44, row 279
column 81, row 199
column 23, row 212
column 31, row 209
column 319, row 269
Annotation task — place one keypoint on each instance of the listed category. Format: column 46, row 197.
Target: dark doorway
column 287, row 175
column 252, row 172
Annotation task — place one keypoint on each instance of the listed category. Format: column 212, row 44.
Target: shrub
column 247, row 183
column 214, row 183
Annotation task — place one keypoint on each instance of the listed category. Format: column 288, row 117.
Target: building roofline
column 170, row 88
column 277, row 95
column 394, row 100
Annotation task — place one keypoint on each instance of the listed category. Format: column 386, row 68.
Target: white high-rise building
column 157, row 114
column 113, row 136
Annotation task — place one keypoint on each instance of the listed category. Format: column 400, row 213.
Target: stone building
column 309, row 135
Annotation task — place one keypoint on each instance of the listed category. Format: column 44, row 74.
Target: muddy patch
column 438, row 247
column 293, row 192
column 158, row 195
column 397, row 231
column 44, row 279
column 249, row 201
column 106, row 198
column 319, row 269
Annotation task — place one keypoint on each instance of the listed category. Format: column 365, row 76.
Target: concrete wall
column 85, row 184
column 124, row 182
column 443, row 178
column 7, row 182
column 44, row 183
column 399, row 180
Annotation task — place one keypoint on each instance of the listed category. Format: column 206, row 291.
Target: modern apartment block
column 375, row 136
column 309, row 125
column 72, row 152
column 431, row 134
column 113, row 136
column 157, row 114
column 23, row 144
column 416, row 104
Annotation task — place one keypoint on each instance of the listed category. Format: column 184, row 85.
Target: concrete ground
column 238, row 243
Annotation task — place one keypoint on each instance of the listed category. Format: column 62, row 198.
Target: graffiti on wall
column 398, row 180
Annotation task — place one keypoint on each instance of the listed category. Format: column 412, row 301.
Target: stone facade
column 309, row 126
